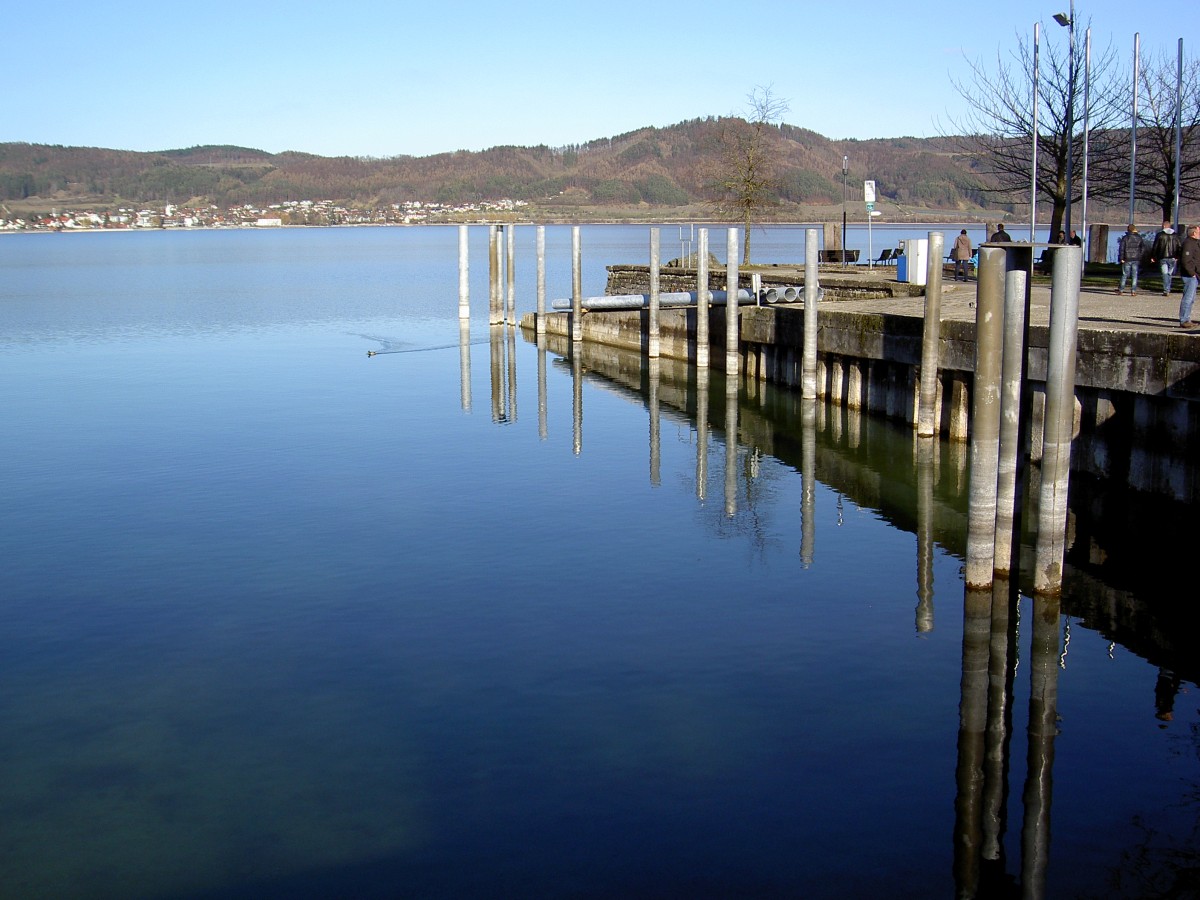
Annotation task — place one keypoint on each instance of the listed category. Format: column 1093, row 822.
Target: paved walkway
column 1099, row 309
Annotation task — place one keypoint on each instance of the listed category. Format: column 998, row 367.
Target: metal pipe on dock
column 495, row 302
column 464, row 280
column 731, row 314
column 642, row 301
column 652, row 338
column 576, row 286
column 1012, row 376
column 540, row 324
column 985, row 419
column 808, row 371
column 1059, row 420
column 509, row 275
column 702, row 299
column 781, row 295
column 931, row 338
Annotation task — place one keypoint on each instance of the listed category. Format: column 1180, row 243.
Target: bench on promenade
column 834, row 257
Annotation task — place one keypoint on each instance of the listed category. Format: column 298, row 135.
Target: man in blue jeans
column 1129, row 253
column 1189, row 267
column 1165, row 252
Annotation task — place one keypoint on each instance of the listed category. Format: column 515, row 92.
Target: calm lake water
column 470, row 618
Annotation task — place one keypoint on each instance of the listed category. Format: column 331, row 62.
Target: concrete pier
column 1137, row 374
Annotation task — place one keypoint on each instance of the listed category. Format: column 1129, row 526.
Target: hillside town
column 276, row 215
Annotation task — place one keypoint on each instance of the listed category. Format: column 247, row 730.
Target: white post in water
column 808, row 361
column 931, row 338
column 985, row 419
column 576, row 286
column 495, row 301
column 464, row 280
column 702, row 299
column 1059, row 421
column 731, row 304
column 541, row 279
column 509, row 277
column 1012, row 381
column 652, row 342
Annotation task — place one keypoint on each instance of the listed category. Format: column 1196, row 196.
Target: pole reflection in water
column 577, row 397
column 496, row 360
column 510, row 347
column 1043, row 728
column 464, row 362
column 731, row 447
column 861, row 461
column 984, row 739
column 1002, row 663
column 702, row 433
column 655, row 431
column 1012, row 374
column 808, row 477
column 926, row 452
column 972, row 729
column 543, row 431
column 854, row 425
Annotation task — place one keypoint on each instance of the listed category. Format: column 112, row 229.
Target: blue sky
column 367, row 78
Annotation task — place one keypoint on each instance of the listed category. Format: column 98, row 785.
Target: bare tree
column 1156, row 133
column 744, row 181
column 998, row 127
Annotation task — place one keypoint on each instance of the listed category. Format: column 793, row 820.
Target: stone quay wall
column 1137, row 394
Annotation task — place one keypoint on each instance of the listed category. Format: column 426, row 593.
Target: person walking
column 1001, row 236
column 1129, row 254
column 961, row 254
column 1165, row 252
column 1189, row 267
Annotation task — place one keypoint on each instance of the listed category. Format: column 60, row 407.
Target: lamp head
column 1062, row 19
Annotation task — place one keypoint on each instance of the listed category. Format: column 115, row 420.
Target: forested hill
column 667, row 167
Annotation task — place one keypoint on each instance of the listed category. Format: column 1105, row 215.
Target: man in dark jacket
column 1129, row 253
column 1189, row 267
column 1001, row 236
column 1165, row 252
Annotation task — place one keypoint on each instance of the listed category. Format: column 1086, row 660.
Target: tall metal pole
column 1061, row 355
column 985, row 418
column 702, row 350
column 1037, row 29
column 1137, row 46
column 808, row 359
column 576, row 289
column 1087, row 110
column 652, row 337
column 464, row 281
column 930, row 339
column 846, row 171
column 541, row 279
column 1178, row 129
column 731, row 310
column 1070, row 114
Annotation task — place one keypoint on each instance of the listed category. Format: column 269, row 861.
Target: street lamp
column 845, row 171
column 1067, row 20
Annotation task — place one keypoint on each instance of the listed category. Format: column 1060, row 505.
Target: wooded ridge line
column 670, row 167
